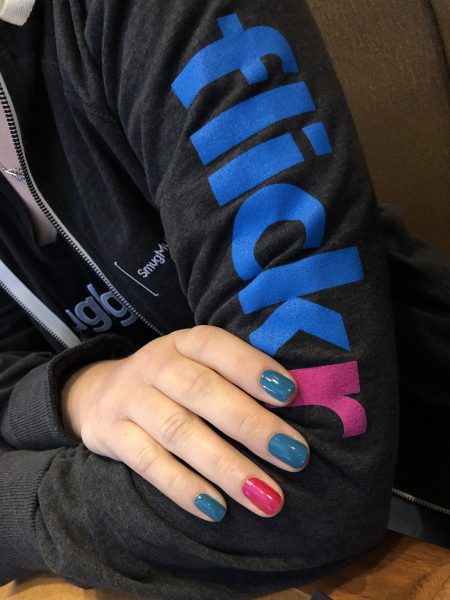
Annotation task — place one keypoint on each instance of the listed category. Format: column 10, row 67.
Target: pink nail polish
column 263, row 496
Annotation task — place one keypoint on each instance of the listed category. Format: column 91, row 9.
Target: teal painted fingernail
column 289, row 450
column 277, row 385
column 208, row 505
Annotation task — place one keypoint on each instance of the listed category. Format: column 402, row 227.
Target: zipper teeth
column 23, row 163
column 35, row 318
column 421, row 502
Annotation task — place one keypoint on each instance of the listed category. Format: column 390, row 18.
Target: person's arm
column 92, row 521
column 47, row 477
column 31, row 374
column 337, row 508
column 28, row 413
column 252, row 159
column 33, row 460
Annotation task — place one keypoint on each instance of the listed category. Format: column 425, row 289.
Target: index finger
column 237, row 361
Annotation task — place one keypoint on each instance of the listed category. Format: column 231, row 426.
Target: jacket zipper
column 421, row 502
column 67, row 338
column 14, row 129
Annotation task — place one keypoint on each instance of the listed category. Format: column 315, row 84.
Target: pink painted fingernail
column 263, row 496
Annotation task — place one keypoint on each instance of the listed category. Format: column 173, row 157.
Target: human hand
column 155, row 405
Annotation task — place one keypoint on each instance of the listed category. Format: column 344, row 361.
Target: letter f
column 239, row 50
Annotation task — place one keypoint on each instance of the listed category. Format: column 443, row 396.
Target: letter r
column 239, row 50
column 329, row 386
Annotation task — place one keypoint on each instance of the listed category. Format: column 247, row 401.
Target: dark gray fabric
column 419, row 522
column 37, row 390
column 21, row 473
column 111, row 154
column 421, row 300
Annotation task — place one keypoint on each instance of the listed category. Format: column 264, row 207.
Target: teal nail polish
column 208, row 505
column 289, row 450
column 277, row 385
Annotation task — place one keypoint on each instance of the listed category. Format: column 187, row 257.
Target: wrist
column 79, row 392
column 70, row 403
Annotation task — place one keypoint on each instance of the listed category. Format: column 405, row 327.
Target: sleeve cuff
column 22, row 472
column 34, row 417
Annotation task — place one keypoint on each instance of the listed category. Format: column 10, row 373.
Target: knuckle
column 154, row 354
column 201, row 337
column 198, row 385
column 179, row 335
column 146, row 460
column 140, row 360
column 107, row 414
column 177, row 429
column 249, row 426
column 175, row 482
column 225, row 465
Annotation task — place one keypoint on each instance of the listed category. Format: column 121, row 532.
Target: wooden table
column 399, row 568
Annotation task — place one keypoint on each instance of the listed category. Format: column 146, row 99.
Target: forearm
column 21, row 472
column 30, row 391
column 91, row 521
column 286, row 255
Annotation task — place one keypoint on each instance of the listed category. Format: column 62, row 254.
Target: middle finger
column 230, row 409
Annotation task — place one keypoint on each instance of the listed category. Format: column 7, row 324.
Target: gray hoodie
column 218, row 131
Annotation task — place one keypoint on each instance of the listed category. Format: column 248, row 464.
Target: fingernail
column 263, row 496
column 289, row 450
column 208, row 505
column 277, row 385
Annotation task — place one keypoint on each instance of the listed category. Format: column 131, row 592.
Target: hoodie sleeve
column 31, row 375
column 28, row 409
column 253, row 161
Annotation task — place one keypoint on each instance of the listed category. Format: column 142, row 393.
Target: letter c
column 271, row 204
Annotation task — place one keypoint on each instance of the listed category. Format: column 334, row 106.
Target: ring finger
column 187, row 436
